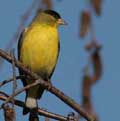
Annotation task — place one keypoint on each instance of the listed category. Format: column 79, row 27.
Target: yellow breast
column 39, row 49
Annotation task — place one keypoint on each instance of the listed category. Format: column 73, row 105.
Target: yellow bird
column 38, row 49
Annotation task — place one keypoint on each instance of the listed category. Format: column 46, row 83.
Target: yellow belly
column 39, row 50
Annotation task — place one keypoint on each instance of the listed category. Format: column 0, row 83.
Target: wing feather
column 20, row 42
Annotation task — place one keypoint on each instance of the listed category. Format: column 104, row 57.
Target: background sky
column 73, row 57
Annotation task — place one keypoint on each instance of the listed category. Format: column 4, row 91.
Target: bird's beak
column 62, row 22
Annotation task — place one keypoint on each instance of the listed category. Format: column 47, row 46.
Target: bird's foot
column 50, row 84
column 30, row 70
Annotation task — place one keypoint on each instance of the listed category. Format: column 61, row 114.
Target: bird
column 38, row 50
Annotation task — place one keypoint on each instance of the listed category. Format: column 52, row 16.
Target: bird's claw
column 50, row 85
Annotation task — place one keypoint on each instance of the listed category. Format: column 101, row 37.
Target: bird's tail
column 31, row 107
column 30, row 103
column 33, row 115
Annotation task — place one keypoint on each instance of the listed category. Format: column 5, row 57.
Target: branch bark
column 50, row 88
column 9, row 80
column 4, row 97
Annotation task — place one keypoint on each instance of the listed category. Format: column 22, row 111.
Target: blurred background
column 73, row 56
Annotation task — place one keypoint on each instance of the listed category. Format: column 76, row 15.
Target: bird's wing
column 20, row 42
column 57, row 59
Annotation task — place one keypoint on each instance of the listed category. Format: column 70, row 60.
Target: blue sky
column 73, row 57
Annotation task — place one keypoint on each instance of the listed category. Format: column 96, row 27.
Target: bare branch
column 48, row 86
column 21, row 90
column 12, row 110
column 4, row 97
column 10, row 80
column 14, row 74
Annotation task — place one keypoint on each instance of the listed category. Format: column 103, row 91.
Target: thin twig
column 52, row 89
column 21, row 90
column 4, row 96
column 14, row 85
column 14, row 74
column 10, row 80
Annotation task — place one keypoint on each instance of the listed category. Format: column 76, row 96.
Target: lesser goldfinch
column 38, row 49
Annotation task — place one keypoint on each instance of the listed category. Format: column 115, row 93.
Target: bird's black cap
column 53, row 13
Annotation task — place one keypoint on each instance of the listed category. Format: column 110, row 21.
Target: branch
column 37, row 82
column 4, row 97
column 11, row 111
column 50, row 88
column 9, row 80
